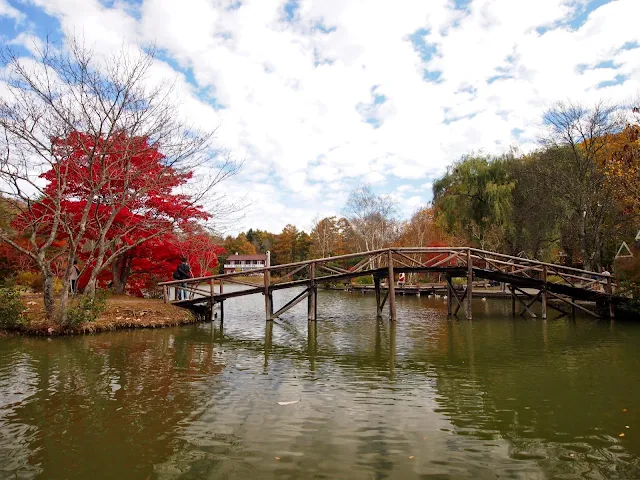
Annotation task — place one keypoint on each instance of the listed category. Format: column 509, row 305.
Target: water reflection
column 348, row 396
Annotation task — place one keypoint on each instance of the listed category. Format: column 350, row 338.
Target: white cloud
column 297, row 96
column 6, row 10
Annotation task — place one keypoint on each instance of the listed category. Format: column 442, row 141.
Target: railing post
column 544, row 292
column 469, row 284
column 312, row 297
column 392, row 289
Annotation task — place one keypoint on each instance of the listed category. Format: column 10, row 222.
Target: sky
column 318, row 97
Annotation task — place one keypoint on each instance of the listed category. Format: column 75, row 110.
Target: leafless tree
column 577, row 137
column 69, row 90
column 372, row 218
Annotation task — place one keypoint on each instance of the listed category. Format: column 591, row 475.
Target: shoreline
column 122, row 312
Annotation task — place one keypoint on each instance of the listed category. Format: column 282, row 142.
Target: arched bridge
column 571, row 288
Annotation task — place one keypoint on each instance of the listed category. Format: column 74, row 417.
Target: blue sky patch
column 290, row 9
column 610, row 83
column 420, row 45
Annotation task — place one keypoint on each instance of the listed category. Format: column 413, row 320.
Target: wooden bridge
column 561, row 288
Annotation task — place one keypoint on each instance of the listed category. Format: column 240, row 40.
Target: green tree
column 473, row 199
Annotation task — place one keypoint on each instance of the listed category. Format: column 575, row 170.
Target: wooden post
column 469, row 284
column 212, row 286
column 449, row 296
column 513, row 301
column 376, row 283
column 392, row 289
column 268, row 299
column 222, row 301
column 165, row 293
column 612, row 311
column 544, row 292
column 311, row 298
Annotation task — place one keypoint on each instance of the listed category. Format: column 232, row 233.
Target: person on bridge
column 182, row 273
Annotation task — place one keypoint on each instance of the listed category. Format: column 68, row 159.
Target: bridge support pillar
column 212, row 284
column 543, row 293
column 312, row 298
column 376, row 283
column 393, row 316
column 449, row 296
column 268, row 295
column 612, row 310
column 469, row 284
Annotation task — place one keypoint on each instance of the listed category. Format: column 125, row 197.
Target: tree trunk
column 64, row 297
column 49, row 299
column 121, row 270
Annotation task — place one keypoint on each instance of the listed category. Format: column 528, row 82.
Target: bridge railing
column 341, row 267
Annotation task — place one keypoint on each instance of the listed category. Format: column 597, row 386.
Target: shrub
column 86, row 309
column 11, row 308
column 368, row 280
column 33, row 280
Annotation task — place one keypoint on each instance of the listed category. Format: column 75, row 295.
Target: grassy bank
column 121, row 312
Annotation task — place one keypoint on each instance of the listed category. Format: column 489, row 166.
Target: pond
column 347, row 397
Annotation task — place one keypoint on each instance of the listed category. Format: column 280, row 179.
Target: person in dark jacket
column 182, row 273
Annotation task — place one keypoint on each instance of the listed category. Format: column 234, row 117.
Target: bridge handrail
column 274, row 267
column 417, row 250
column 538, row 262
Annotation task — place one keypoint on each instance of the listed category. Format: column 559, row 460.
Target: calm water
column 426, row 398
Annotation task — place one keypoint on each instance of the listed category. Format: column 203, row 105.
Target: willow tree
column 473, row 199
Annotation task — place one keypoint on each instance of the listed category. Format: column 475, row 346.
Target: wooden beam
column 384, row 300
column 291, row 274
column 526, row 307
column 292, row 303
column 411, row 259
column 574, row 305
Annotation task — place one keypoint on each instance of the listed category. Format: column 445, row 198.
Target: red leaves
column 121, row 188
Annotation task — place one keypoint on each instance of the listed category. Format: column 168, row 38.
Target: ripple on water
column 426, row 397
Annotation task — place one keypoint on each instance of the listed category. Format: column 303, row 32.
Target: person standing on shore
column 75, row 274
